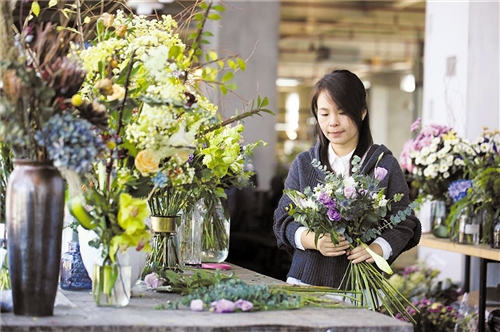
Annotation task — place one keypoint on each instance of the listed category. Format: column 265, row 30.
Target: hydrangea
column 458, row 189
column 71, row 143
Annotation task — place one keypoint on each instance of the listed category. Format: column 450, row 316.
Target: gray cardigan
column 310, row 266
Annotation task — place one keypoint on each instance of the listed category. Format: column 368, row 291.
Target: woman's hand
column 359, row 254
column 325, row 245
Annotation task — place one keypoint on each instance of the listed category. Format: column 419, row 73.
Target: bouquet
column 358, row 210
column 433, row 160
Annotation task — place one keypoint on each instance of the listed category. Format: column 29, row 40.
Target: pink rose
column 223, row 305
column 350, row 192
column 196, row 305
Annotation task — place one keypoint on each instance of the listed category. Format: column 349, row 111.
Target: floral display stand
column 76, row 312
column 483, row 252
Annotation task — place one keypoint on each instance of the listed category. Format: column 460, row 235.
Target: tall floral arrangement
column 357, row 209
column 165, row 139
column 433, row 159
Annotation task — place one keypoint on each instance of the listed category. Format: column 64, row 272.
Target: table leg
column 482, row 293
column 466, row 287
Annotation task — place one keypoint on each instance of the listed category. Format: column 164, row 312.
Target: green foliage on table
column 211, row 286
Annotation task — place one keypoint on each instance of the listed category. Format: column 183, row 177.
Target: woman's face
column 336, row 125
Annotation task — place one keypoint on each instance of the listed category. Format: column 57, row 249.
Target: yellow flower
column 118, row 93
column 131, row 213
column 139, row 239
column 449, row 135
column 146, row 162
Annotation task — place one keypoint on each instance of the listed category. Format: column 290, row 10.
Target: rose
column 146, row 162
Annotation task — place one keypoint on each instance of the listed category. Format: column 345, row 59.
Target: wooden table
column 78, row 312
column 485, row 254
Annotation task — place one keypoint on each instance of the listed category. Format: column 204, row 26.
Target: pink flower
column 243, row 305
column 380, row 173
column 350, row 192
column 223, row 305
column 416, row 125
column 196, row 305
column 153, row 281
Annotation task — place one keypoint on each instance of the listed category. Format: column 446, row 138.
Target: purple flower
column 326, row 200
column 223, row 305
column 152, row 281
column 196, row 305
column 333, row 214
column 243, row 305
column 350, row 192
column 380, row 173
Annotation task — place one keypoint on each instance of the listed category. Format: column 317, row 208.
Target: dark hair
column 348, row 92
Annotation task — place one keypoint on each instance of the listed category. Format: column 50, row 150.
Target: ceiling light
column 287, row 82
column 408, row 83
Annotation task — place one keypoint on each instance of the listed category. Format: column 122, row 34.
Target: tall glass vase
column 215, row 231
column 189, row 232
column 34, row 214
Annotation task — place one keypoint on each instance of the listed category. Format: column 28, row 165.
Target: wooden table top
column 76, row 311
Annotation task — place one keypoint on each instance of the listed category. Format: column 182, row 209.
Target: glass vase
column 495, row 234
column 215, row 232
column 111, row 284
column 189, row 234
column 73, row 274
column 164, row 254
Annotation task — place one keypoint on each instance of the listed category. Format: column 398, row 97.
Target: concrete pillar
column 251, row 29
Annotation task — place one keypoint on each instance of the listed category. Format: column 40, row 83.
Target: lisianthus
column 357, row 209
column 434, row 159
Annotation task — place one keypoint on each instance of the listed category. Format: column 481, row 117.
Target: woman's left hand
column 359, row 254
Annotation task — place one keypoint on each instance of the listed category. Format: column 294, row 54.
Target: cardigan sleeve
column 406, row 234
column 284, row 226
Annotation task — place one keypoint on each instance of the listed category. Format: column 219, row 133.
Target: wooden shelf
column 481, row 251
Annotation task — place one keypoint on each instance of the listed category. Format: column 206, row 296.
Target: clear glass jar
column 111, row 284
column 215, row 233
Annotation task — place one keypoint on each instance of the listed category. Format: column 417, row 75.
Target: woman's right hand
column 325, row 245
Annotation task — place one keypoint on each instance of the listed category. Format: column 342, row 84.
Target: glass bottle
column 73, row 275
column 495, row 238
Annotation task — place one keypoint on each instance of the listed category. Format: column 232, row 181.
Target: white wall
column 466, row 99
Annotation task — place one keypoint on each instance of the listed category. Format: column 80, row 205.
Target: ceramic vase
column 34, row 214
column 90, row 255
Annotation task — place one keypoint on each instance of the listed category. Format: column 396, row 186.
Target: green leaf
column 198, row 17
column 214, row 17
column 219, row 8
column 52, row 3
column 227, row 77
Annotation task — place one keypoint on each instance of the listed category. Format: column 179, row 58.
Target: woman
column 343, row 123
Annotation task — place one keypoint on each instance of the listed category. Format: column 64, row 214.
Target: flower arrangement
column 477, row 195
column 358, row 210
column 165, row 143
column 433, row 160
column 437, row 301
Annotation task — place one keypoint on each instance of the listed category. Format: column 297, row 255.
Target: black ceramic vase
column 34, row 214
